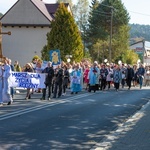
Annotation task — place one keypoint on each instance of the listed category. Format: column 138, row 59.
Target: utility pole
column 8, row 33
column 111, row 24
column 110, row 44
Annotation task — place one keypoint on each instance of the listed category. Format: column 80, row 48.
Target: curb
column 111, row 138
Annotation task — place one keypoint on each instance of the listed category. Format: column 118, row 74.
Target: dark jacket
column 141, row 71
column 49, row 74
column 103, row 73
column 66, row 77
column 59, row 76
column 129, row 73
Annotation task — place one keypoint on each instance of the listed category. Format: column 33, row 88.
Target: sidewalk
column 134, row 134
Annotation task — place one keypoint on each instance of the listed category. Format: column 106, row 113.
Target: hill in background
column 139, row 32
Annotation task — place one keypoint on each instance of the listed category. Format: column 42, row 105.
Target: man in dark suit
column 49, row 71
column 129, row 76
column 58, row 81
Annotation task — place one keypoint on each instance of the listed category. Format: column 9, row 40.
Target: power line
column 140, row 13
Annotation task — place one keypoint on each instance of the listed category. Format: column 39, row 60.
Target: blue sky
column 138, row 9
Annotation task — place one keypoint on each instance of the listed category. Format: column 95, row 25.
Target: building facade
column 29, row 22
column 142, row 48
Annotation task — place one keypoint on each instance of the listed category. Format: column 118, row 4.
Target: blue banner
column 27, row 80
column 55, row 57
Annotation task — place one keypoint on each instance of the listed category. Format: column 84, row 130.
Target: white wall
column 24, row 43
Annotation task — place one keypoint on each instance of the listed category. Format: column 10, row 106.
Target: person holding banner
column 49, row 71
column 38, row 69
column 6, row 89
column 28, row 68
column 1, row 84
column 12, row 69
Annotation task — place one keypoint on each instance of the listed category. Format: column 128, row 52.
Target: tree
column 64, row 35
column 81, row 13
column 93, row 32
column 66, row 1
column 120, row 14
column 100, row 50
column 120, row 42
column 100, row 25
column 130, row 57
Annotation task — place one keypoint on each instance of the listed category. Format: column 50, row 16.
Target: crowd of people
column 75, row 77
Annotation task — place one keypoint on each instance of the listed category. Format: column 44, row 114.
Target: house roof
column 52, row 8
column 137, row 42
column 41, row 6
column 146, row 44
column 22, row 13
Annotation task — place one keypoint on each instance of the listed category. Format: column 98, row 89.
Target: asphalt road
column 68, row 123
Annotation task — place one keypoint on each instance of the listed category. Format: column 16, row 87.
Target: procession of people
column 73, row 77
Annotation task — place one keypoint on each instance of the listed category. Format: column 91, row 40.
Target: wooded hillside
column 139, row 32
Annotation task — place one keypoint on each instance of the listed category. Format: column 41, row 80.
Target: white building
column 143, row 49
column 29, row 22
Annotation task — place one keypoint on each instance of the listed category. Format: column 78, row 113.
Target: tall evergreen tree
column 100, row 24
column 92, row 32
column 64, row 35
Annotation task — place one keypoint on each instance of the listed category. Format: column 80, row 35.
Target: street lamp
column 68, row 58
column 120, row 62
column 138, row 61
column 105, row 61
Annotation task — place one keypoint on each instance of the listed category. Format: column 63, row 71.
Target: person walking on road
column 103, row 76
column 6, row 89
column 12, row 69
column 65, row 80
column 117, row 77
column 123, row 71
column 109, row 77
column 58, row 82
column 140, row 74
column 129, row 76
column 75, row 80
column 49, row 71
column 94, row 78
column 28, row 68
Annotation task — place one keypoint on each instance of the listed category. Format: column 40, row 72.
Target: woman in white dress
column 6, row 89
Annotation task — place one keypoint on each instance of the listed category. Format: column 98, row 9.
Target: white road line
column 28, row 110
